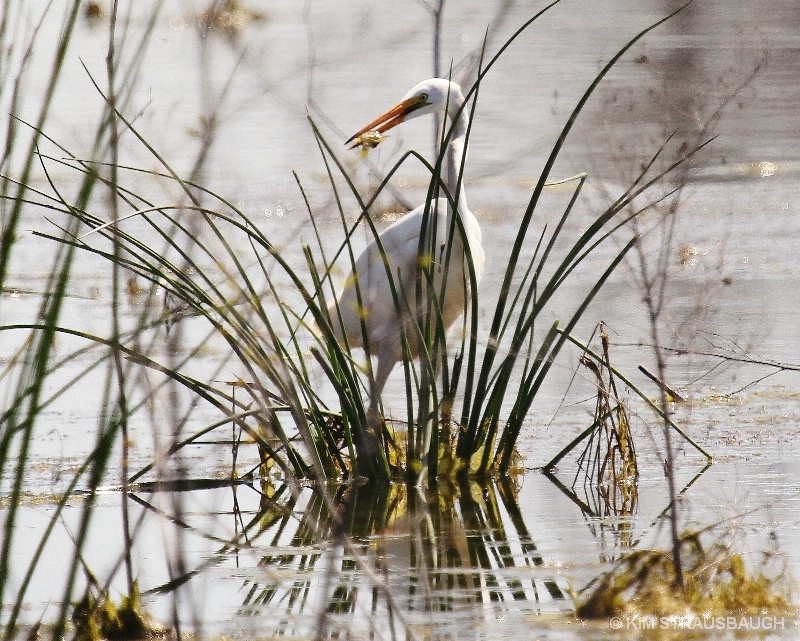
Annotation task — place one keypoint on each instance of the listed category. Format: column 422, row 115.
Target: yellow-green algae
column 716, row 583
column 98, row 618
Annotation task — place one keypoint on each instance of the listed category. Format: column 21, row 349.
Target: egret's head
column 432, row 95
column 429, row 96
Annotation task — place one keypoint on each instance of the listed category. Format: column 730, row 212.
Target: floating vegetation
column 97, row 618
column 228, row 18
column 93, row 11
column 716, row 583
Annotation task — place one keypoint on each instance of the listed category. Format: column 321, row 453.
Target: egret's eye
column 423, row 99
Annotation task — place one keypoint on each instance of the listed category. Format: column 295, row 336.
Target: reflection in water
column 615, row 534
column 447, row 554
column 387, row 557
column 314, row 562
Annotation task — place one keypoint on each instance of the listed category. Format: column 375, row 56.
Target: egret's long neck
column 457, row 152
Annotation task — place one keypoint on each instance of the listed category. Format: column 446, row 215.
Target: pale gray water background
column 344, row 63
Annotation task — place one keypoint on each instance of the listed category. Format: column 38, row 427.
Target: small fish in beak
column 372, row 135
column 368, row 140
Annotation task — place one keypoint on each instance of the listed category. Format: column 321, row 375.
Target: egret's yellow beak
column 391, row 118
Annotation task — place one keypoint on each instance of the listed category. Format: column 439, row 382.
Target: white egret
column 400, row 241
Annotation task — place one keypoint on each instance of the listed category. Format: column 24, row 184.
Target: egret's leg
column 386, row 362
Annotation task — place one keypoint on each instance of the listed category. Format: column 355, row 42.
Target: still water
column 475, row 563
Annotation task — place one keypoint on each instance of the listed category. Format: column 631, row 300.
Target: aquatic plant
column 715, row 582
column 97, row 618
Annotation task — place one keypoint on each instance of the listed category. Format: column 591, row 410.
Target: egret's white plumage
column 400, row 241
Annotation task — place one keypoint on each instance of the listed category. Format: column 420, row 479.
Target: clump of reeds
column 716, row 583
